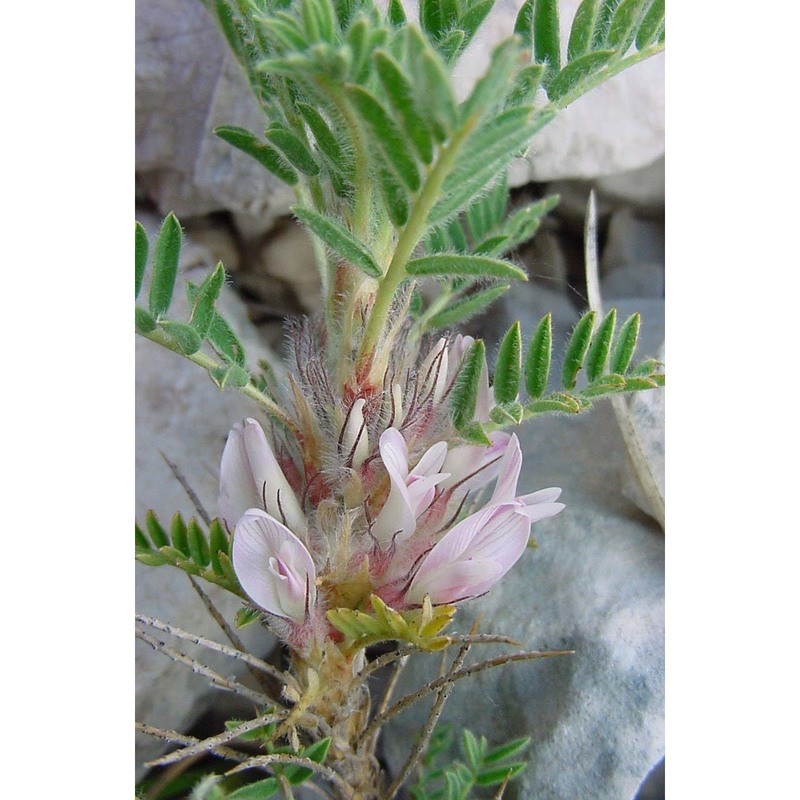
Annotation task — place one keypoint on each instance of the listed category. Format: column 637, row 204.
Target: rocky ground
column 596, row 582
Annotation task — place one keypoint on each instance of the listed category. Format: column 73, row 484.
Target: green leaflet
column 577, row 348
column 265, row 154
column 508, row 367
column 525, row 85
column 396, row 13
column 225, row 341
column 651, row 25
column 546, row 36
column 624, row 345
column 464, row 396
column 395, row 198
column 185, row 336
column 325, row 138
column 340, row 240
column 496, row 775
column 490, row 90
column 178, row 534
column 387, row 135
column 537, row 362
column 437, row 103
column 580, row 37
column 158, row 536
column 144, row 321
column 260, row 790
column 202, row 314
column 442, row 264
column 603, row 22
column 577, row 71
column 467, row 307
column 506, row 750
column 624, row 25
column 601, row 345
column 400, row 91
column 462, row 186
column 318, row 20
column 142, row 247
column 165, row 266
column 437, row 16
column 293, row 149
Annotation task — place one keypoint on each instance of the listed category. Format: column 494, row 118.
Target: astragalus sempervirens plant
column 375, row 487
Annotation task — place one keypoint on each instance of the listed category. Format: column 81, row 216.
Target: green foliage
column 478, row 766
column 204, row 553
column 602, row 354
column 421, row 627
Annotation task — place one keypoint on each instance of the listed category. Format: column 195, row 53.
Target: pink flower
column 250, row 477
column 274, row 566
column 472, row 556
column 412, row 491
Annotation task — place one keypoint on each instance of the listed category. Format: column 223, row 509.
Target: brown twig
column 430, row 724
column 180, row 738
column 212, row 742
column 412, row 698
column 241, row 655
column 200, row 668
column 287, row 758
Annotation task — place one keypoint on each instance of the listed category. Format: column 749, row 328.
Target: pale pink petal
column 394, row 453
column 273, row 566
column 541, row 496
column 453, row 582
column 474, row 466
column 421, row 491
column 509, row 469
column 432, row 460
column 355, row 434
column 237, row 486
column 269, row 478
column 472, row 556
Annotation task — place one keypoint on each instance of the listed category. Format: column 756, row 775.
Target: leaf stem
column 209, row 364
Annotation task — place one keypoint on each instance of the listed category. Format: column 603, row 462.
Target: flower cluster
column 403, row 521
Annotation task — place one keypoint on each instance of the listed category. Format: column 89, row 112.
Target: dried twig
column 430, row 724
column 412, row 698
column 241, row 655
column 180, row 738
column 196, row 666
column 286, row 758
column 212, row 742
column 181, row 478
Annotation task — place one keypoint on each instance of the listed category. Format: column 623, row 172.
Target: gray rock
column 187, row 83
column 632, row 241
column 180, row 413
column 594, row 585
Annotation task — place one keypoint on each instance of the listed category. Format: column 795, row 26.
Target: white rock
column 187, row 83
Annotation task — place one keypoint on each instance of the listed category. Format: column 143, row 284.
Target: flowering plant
column 378, row 488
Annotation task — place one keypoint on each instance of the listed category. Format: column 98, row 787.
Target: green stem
column 412, row 232
column 209, row 364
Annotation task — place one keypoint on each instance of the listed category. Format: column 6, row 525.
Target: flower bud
column 354, row 438
column 250, row 477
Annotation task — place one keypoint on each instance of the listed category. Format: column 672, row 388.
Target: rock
column 632, row 241
column 642, row 189
column 595, row 585
column 187, row 83
column 180, row 413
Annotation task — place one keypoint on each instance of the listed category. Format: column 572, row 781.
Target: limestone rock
column 187, row 83
column 182, row 414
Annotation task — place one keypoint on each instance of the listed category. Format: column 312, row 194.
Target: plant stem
column 412, row 233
